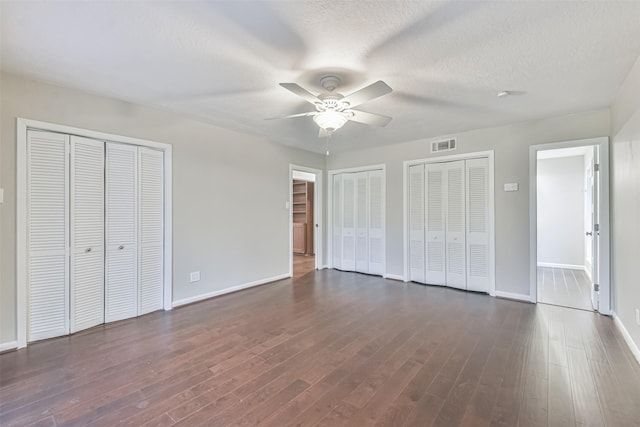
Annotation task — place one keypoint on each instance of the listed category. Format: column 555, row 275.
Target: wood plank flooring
column 331, row 349
column 302, row 265
column 564, row 287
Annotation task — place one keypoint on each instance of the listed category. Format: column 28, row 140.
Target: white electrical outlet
column 194, row 276
column 638, row 316
column 511, row 186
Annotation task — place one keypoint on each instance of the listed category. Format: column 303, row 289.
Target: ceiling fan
column 333, row 109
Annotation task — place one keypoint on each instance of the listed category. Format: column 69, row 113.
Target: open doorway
column 305, row 188
column 571, row 259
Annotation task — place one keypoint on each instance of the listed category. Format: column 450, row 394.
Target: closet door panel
column 455, row 225
column 87, row 233
column 121, row 281
column 477, row 212
column 48, row 234
column 376, row 222
column 362, row 222
column 336, row 222
column 348, row 222
column 435, row 223
column 417, row 223
column 150, row 230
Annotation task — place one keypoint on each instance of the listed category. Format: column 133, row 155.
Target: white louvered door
column 417, row 224
column 376, row 222
column 121, row 272
column 86, row 283
column 150, row 230
column 435, row 224
column 336, row 222
column 362, row 222
column 348, row 221
column 48, row 234
column 455, row 225
column 477, row 174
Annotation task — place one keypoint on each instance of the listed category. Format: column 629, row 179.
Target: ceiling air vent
column 446, row 145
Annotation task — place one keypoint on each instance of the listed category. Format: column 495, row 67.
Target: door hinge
column 596, row 167
column 596, row 227
column 596, row 287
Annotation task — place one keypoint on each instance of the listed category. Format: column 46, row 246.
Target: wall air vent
column 446, row 145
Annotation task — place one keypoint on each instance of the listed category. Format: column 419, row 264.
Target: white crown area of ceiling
column 221, row 61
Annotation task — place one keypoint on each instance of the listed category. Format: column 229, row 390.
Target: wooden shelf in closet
column 303, row 222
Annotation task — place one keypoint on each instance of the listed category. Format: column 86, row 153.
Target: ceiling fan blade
column 301, row 92
column 368, row 93
column 370, row 118
column 323, row 133
column 310, row 113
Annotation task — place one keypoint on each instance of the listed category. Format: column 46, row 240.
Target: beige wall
column 511, row 145
column 625, row 183
column 229, row 189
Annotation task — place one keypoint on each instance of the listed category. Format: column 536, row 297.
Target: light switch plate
column 1, row 195
column 511, row 186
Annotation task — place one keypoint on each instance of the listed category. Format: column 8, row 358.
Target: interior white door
column 455, row 225
column 121, row 194
column 416, row 223
column 435, row 223
column 87, row 233
column 336, row 222
column 477, row 213
column 48, row 234
column 595, row 232
column 376, row 222
column 348, row 221
column 150, row 230
column 362, row 222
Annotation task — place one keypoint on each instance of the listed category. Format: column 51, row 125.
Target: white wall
column 561, row 211
column 511, row 145
column 229, row 189
column 625, row 183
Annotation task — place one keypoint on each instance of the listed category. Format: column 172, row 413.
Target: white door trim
column 330, row 175
column 22, row 125
column 605, row 281
column 405, row 205
column 317, row 216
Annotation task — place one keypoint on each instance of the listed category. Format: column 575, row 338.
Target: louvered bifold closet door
column 121, row 268
column 150, row 230
column 336, row 222
column 87, row 233
column 348, row 222
column 477, row 178
column 455, row 225
column 376, row 208
column 435, row 224
column 361, row 224
column 47, row 239
column 416, row 224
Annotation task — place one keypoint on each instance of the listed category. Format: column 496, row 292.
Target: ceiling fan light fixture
column 330, row 120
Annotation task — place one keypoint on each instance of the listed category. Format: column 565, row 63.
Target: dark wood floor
column 335, row 349
column 565, row 287
column 303, row 264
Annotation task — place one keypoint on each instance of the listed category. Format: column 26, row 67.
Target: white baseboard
column 323, row 267
column 554, row 265
column 208, row 295
column 394, row 277
column 513, row 296
column 11, row 345
column 627, row 337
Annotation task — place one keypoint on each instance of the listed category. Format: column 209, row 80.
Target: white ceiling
column 222, row 61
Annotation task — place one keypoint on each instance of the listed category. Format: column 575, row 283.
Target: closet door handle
column 88, row 250
column 121, row 247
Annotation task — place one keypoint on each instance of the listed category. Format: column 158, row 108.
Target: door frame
column 330, row 175
column 405, row 205
column 605, row 248
column 318, row 247
column 22, row 126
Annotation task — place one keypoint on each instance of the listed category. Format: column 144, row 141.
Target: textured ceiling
column 222, row 61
